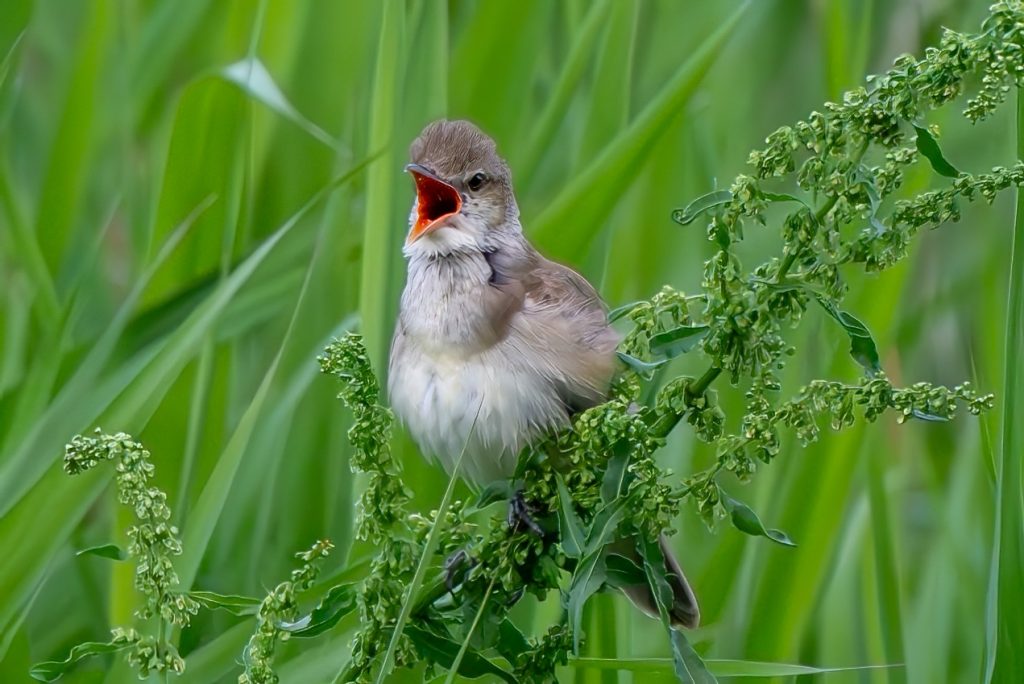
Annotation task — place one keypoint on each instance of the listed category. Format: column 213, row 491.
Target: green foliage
column 163, row 269
column 278, row 609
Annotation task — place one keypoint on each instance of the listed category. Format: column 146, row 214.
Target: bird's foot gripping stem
column 519, row 515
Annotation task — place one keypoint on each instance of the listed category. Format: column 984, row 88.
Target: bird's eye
column 477, row 181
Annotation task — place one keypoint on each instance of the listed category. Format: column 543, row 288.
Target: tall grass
column 163, row 271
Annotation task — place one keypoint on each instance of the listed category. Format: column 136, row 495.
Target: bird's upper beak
column 436, row 200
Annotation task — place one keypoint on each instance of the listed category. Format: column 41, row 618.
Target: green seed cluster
column 152, row 543
column 279, row 606
column 383, row 520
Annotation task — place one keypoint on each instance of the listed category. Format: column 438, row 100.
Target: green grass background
column 159, row 274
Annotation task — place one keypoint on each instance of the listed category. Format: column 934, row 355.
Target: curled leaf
column 862, row 345
column 745, row 520
column 701, row 205
column 53, row 670
column 339, row 601
column 234, row 604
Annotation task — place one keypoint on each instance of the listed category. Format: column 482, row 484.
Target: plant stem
column 819, row 216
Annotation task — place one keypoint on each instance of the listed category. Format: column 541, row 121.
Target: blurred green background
column 157, row 278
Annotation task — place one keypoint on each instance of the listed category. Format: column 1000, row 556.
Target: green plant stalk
column 450, row 679
column 1004, row 660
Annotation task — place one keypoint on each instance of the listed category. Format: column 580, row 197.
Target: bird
column 495, row 345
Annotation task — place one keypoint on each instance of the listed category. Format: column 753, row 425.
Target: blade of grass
column 67, row 170
column 573, row 216
column 720, row 667
column 207, row 510
column 1004, row 658
column 886, row 571
column 23, row 466
column 378, row 235
column 553, row 115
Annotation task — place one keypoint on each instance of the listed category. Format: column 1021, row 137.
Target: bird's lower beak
column 435, row 202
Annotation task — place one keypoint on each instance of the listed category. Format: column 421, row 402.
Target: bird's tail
column 684, row 611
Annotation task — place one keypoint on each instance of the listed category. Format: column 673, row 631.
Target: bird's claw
column 519, row 515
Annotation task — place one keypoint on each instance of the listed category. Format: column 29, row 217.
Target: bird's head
column 464, row 200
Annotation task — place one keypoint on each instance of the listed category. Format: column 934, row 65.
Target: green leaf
column 569, row 526
column 784, row 197
column 604, row 525
column 339, row 602
column 623, row 572
column 928, row 146
column 688, row 666
column 566, row 225
column 624, row 310
column 676, row 341
column 232, row 603
column 745, row 520
column 443, row 651
column 644, row 369
column 110, row 551
column 929, row 417
column 586, row 581
column 501, row 490
column 1004, row 633
column 511, row 642
column 53, row 670
column 615, row 475
column 701, row 205
column 253, row 78
column 862, row 345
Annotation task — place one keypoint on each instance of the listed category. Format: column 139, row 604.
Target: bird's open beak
column 435, row 202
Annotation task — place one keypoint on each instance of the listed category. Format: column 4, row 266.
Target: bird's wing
column 560, row 318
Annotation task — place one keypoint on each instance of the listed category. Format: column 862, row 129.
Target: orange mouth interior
column 436, row 201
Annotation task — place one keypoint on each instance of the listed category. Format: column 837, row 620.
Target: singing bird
column 495, row 345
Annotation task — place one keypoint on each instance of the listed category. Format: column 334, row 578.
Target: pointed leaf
column 689, row 667
column 569, row 526
column 676, row 341
column 511, row 641
column 745, row 520
column 928, row 146
column 502, row 490
column 862, row 345
column 339, row 602
column 644, row 369
column 604, row 525
column 110, row 551
column 623, row 572
column 253, row 78
column 615, row 475
column 586, row 581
